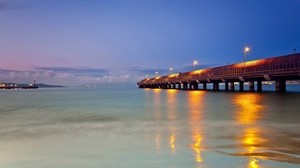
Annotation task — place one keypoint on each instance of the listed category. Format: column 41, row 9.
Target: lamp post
column 194, row 64
column 156, row 73
column 246, row 51
column 170, row 70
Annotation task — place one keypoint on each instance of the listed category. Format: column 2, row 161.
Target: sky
column 75, row 42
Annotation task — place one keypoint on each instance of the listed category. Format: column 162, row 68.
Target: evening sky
column 73, row 42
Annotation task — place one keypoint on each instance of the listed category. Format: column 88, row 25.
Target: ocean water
column 123, row 126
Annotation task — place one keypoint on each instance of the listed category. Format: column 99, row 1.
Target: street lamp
column 194, row 64
column 246, row 51
column 170, row 70
column 156, row 73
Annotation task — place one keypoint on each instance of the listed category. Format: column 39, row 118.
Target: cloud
column 71, row 76
column 83, row 75
column 76, row 71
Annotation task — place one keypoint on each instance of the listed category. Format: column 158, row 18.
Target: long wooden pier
column 278, row 69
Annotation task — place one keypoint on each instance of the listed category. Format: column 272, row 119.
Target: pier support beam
column 241, row 86
column 280, row 85
column 216, row 86
column 231, row 86
column 195, row 86
column 226, row 86
column 179, row 86
column 259, row 86
column 251, row 86
column 185, row 86
column 204, row 86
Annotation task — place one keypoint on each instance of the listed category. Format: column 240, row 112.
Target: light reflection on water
column 249, row 108
column 149, row 128
column 249, row 111
column 172, row 115
column 195, row 103
column 250, row 138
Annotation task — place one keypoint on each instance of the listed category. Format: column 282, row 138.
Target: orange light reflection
column 253, row 163
column 197, row 147
column 249, row 108
column 251, row 141
column 248, row 113
column 171, row 115
column 172, row 143
column 195, row 103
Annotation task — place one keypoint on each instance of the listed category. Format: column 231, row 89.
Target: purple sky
column 73, row 42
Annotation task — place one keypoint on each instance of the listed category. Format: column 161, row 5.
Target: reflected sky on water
column 109, row 127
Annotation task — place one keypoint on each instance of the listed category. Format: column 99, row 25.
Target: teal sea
column 122, row 126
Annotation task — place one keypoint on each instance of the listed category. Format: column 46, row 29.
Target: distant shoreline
column 26, row 86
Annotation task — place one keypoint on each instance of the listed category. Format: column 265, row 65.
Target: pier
column 254, row 73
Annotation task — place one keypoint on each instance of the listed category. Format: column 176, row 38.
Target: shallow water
column 114, row 126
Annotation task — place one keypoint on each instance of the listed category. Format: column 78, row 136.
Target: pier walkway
column 278, row 69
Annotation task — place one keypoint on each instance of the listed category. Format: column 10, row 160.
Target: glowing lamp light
column 195, row 63
column 170, row 70
column 246, row 49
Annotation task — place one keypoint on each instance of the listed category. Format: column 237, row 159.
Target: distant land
column 26, row 86
column 42, row 85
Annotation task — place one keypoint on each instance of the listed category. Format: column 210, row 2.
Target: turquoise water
column 112, row 126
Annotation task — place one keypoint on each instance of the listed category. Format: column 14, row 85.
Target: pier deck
column 278, row 69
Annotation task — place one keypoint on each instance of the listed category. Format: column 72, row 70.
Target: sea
column 122, row 126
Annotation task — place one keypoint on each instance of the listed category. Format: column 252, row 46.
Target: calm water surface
column 129, row 127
